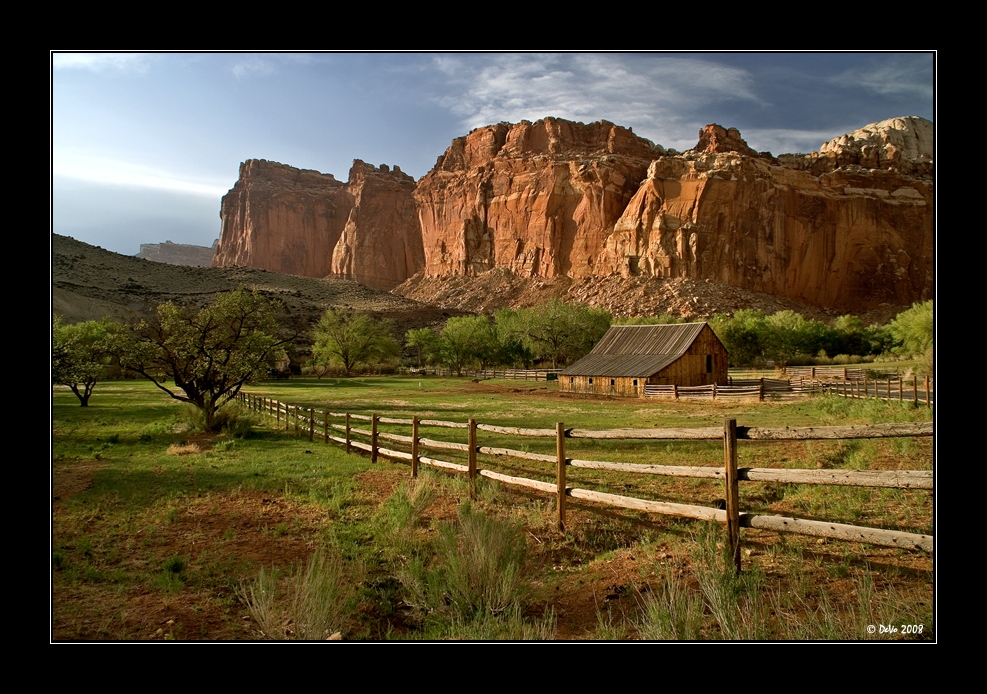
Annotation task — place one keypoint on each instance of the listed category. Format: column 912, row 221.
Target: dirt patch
column 72, row 476
column 180, row 556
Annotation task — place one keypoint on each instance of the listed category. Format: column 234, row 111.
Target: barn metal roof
column 636, row 350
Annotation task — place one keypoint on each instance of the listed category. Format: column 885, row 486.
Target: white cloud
column 103, row 170
column 908, row 75
column 253, row 66
column 656, row 94
column 97, row 62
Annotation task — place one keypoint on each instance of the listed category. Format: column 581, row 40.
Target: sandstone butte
column 848, row 228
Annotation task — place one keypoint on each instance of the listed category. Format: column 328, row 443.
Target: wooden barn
column 629, row 357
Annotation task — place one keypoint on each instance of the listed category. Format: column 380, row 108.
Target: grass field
column 159, row 532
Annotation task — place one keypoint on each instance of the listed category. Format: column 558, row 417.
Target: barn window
column 572, row 379
column 635, row 383
column 611, row 381
column 591, row 380
column 709, row 363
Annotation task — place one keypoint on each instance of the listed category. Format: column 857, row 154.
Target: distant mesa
column 179, row 253
column 847, row 228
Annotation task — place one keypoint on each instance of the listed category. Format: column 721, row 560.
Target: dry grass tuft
column 184, row 449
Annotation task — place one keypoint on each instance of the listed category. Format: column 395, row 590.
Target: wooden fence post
column 414, row 446
column 348, row 447
column 325, row 424
column 914, row 390
column 928, row 400
column 732, row 492
column 311, row 424
column 373, row 439
column 471, row 458
column 296, row 421
column 888, row 399
column 560, row 473
column 675, row 391
column 277, row 416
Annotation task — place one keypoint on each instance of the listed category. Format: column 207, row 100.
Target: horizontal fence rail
column 328, row 425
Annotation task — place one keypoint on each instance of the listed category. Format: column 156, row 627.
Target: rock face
column 282, row 219
column 559, row 199
column 381, row 242
column 848, row 239
column 848, row 228
column 302, row 222
column 539, row 198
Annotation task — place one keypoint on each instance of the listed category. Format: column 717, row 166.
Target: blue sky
column 144, row 146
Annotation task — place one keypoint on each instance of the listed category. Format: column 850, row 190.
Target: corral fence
column 338, row 427
column 892, row 388
column 759, row 388
column 889, row 388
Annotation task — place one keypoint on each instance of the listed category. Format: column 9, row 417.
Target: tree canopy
column 208, row 354
column 348, row 339
column 914, row 329
column 559, row 332
column 466, row 340
column 79, row 355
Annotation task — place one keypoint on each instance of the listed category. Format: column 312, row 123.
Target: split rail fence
column 339, row 427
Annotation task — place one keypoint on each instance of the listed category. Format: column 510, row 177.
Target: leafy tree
column 425, row 343
column 556, row 331
column 746, row 335
column 466, row 340
column 914, row 329
column 79, row 355
column 348, row 339
column 208, row 354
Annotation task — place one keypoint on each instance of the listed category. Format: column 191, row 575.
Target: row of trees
column 205, row 356
column 556, row 333
column 751, row 337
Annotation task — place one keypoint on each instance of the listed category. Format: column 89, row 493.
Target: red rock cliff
column 307, row 223
column 381, row 243
column 846, row 228
column 282, row 219
column 539, row 198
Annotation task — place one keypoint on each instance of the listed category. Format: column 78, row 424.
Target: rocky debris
column 622, row 296
column 179, row 253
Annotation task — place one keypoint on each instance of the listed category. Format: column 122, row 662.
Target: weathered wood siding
column 690, row 369
column 602, row 385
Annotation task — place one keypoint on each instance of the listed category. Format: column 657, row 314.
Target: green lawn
column 157, row 529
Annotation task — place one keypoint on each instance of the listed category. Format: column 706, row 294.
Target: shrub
column 314, row 603
column 481, row 564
